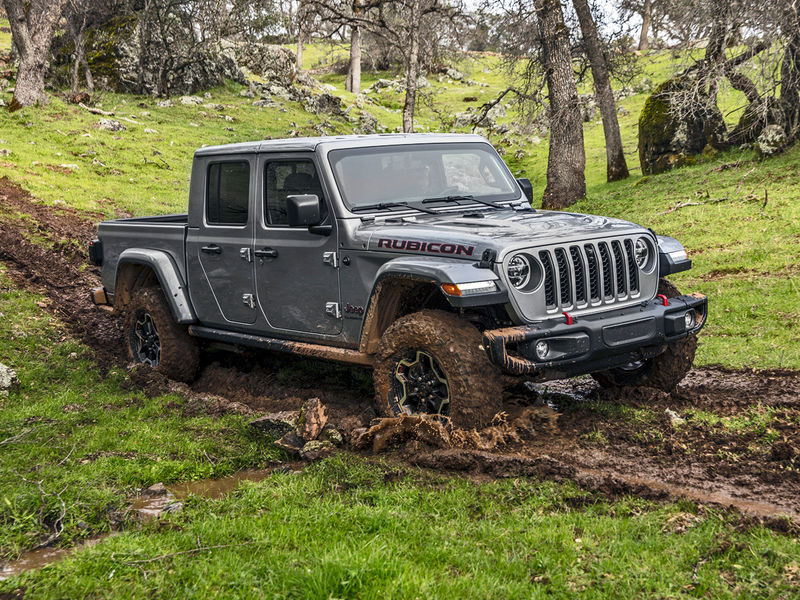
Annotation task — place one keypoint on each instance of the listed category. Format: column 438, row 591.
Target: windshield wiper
column 464, row 197
column 385, row 205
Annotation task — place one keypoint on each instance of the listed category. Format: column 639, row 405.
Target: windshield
column 385, row 174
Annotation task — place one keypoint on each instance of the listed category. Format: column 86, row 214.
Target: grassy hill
column 744, row 249
column 78, row 443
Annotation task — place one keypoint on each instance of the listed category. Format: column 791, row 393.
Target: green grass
column 86, row 438
column 349, row 529
column 744, row 252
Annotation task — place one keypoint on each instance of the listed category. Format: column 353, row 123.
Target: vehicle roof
column 338, row 141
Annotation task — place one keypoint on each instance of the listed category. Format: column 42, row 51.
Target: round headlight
column 519, row 271
column 642, row 252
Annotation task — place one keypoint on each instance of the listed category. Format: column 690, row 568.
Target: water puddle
column 148, row 507
column 43, row 557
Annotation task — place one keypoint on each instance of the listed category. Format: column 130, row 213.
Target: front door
column 219, row 249
column 297, row 274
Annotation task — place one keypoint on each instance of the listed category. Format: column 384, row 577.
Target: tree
column 616, row 167
column 33, row 24
column 353, row 83
column 566, row 161
column 646, row 16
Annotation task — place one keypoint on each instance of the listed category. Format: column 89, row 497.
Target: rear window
column 228, row 193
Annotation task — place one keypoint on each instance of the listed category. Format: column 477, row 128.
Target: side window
column 227, row 193
column 284, row 178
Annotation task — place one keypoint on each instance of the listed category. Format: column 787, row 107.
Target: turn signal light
column 469, row 289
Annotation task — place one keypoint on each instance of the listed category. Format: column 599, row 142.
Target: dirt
column 609, row 442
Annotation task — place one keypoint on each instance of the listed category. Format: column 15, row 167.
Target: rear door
column 219, row 248
column 297, row 272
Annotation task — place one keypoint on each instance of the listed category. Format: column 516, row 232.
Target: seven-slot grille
column 589, row 274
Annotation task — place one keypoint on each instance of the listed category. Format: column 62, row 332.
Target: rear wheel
column 431, row 362
column 664, row 371
column 154, row 338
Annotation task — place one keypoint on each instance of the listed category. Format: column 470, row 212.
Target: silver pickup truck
column 417, row 255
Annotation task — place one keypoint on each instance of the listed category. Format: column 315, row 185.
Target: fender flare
column 669, row 263
column 433, row 270
column 169, row 278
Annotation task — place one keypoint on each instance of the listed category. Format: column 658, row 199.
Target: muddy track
column 746, row 454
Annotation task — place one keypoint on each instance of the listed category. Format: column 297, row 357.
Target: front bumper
column 595, row 342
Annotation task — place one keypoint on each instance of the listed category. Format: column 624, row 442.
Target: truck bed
column 163, row 232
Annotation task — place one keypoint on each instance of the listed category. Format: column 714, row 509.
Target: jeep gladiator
column 417, row 255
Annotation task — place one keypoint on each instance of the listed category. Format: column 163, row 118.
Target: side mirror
column 303, row 210
column 527, row 188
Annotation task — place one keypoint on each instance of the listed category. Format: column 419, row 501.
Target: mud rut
column 601, row 453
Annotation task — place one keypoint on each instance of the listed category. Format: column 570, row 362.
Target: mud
column 43, row 557
column 610, row 442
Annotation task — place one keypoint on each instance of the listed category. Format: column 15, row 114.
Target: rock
column 115, row 55
column 148, row 130
column 276, row 424
column 8, row 380
column 266, row 104
column 313, row 417
column 157, row 489
column 247, row 93
column 772, row 140
column 674, row 418
column 70, row 166
column 207, row 95
column 332, row 435
column 463, row 119
column 672, row 133
column 110, row 125
column 324, row 103
column 173, row 507
column 291, row 443
column 497, row 111
column 271, row 62
column 422, row 82
column 328, row 87
column 4, row 151
column 316, row 449
column 80, row 97
column 165, row 103
column 191, row 100
column 454, row 74
column 367, row 123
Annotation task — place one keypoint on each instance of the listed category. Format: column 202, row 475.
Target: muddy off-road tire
column 663, row 372
column 432, row 362
column 154, row 338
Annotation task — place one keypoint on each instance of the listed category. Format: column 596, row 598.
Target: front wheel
column 663, row 372
column 154, row 338
column 432, row 362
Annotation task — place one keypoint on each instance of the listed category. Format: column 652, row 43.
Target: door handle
column 212, row 249
column 266, row 253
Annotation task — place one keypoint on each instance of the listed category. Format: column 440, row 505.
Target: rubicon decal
column 432, row 247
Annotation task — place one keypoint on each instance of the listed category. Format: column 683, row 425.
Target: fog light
column 542, row 348
column 688, row 319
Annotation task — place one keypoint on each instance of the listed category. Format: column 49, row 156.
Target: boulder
column 772, row 140
column 271, row 62
column 454, row 74
column 8, row 380
column 191, row 100
column 324, row 104
column 313, row 418
column 276, row 424
column 677, row 123
column 332, row 435
column 110, row 125
column 115, row 55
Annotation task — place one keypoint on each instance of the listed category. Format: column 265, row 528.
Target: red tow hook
column 664, row 300
column 568, row 317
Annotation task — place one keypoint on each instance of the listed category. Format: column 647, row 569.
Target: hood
column 457, row 235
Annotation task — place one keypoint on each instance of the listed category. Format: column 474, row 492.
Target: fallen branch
column 19, row 436
column 96, row 111
column 182, row 552
column 690, row 203
column 741, row 181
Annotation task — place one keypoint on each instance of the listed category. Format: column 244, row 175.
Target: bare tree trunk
column 32, row 25
column 354, row 72
column 299, row 51
column 412, row 70
column 566, row 182
column 790, row 71
column 616, row 167
column 646, row 18
column 80, row 58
